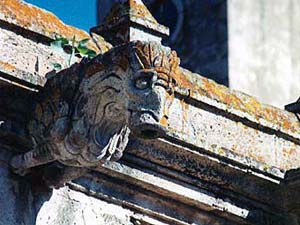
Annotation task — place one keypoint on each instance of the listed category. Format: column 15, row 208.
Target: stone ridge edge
column 278, row 121
column 40, row 21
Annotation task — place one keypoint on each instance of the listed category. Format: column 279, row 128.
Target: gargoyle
column 84, row 115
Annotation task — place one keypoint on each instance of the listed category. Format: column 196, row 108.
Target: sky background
column 81, row 15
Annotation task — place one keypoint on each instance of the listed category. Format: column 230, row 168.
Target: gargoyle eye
column 142, row 83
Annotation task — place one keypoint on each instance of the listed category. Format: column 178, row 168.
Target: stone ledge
column 154, row 194
column 195, row 167
column 26, row 33
column 40, row 21
column 243, row 105
column 271, row 136
column 18, row 74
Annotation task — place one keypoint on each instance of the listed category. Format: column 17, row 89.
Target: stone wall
column 264, row 49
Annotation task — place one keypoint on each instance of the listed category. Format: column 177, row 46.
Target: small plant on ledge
column 74, row 48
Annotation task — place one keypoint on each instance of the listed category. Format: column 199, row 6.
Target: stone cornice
column 39, row 21
column 244, row 111
column 31, row 29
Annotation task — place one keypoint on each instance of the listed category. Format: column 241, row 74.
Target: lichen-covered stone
column 26, row 33
column 198, row 152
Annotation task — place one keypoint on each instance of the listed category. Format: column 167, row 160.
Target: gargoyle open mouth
column 145, row 124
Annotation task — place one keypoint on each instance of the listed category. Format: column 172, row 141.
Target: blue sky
column 81, row 15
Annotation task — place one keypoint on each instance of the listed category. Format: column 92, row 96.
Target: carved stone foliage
column 85, row 114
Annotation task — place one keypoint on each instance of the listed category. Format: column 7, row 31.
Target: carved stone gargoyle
column 84, row 115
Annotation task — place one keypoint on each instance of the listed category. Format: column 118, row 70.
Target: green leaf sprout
column 73, row 47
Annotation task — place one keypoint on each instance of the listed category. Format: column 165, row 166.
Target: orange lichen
column 140, row 10
column 256, row 157
column 182, row 81
column 132, row 8
column 7, row 66
column 185, row 108
column 178, row 76
column 220, row 93
column 251, row 105
column 39, row 21
column 289, row 151
column 164, row 121
column 237, row 101
column 166, row 110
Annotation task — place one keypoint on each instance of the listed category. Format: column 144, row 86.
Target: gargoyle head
column 84, row 116
column 126, row 89
column 152, row 78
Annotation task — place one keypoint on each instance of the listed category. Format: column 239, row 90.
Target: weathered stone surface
column 27, row 60
column 39, row 21
column 270, row 135
column 180, row 100
column 198, row 153
column 258, row 52
column 206, row 171
column 70, row 207
column 234, row 113
column 26, row 33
